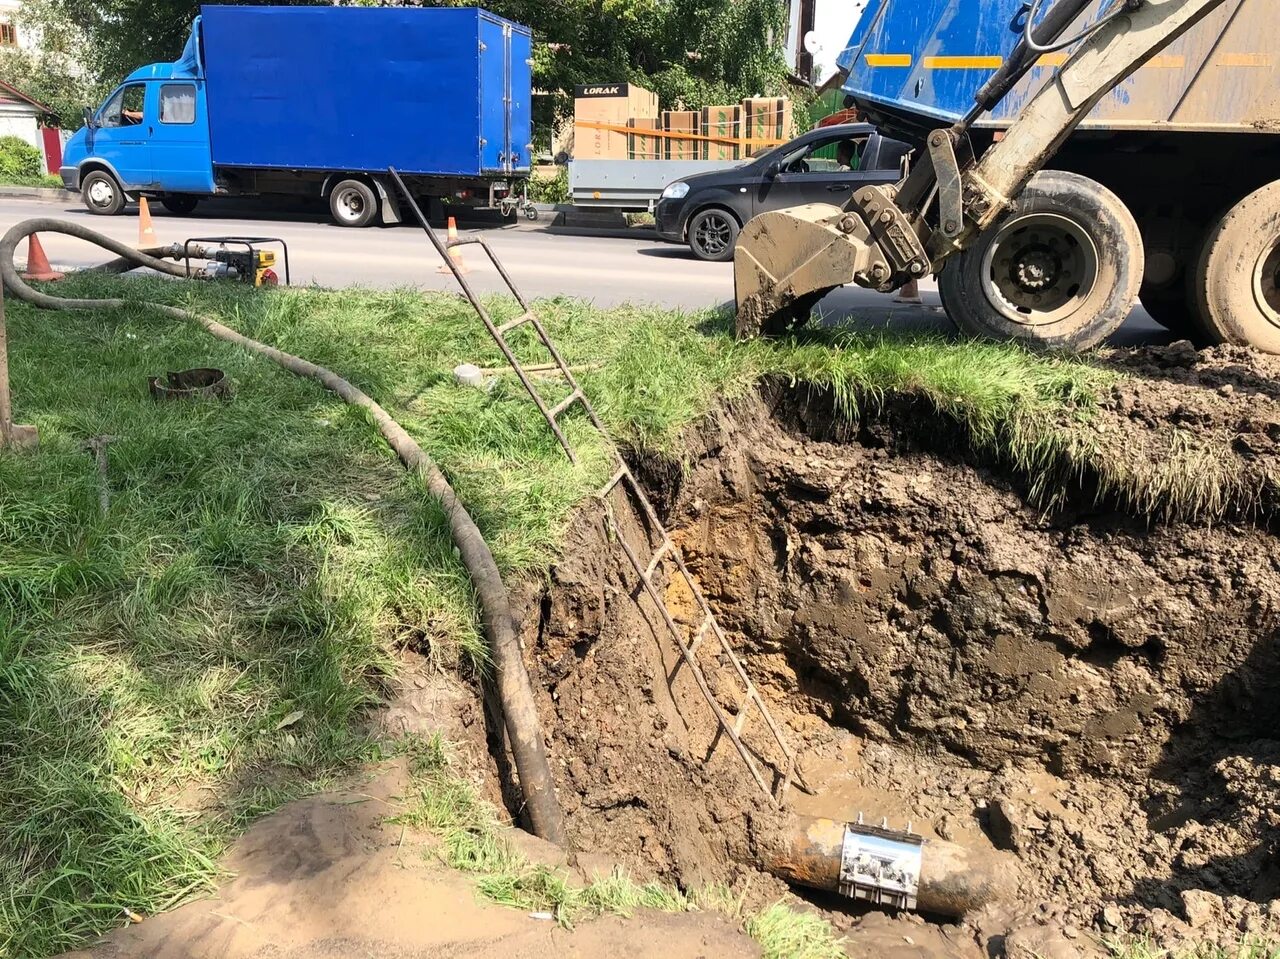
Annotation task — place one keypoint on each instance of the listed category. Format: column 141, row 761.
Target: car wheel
column 179, row 204
column 101, row 193
column 712, row 235
column 352, row 203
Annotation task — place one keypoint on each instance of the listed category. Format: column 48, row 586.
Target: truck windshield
column 124, row 109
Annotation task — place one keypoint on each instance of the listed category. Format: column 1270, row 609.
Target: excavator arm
column 886, row 236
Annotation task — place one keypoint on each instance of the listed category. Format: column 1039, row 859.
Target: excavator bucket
column 787, row 260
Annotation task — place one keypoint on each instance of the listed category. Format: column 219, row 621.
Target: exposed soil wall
column 1093, row 691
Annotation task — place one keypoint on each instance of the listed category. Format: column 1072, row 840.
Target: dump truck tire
column 1061, row 271
column 353, row 203
column 1237, row 284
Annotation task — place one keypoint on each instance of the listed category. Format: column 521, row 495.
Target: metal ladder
column 732, row 727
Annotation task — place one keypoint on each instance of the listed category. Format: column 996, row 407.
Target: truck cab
column 150, row 136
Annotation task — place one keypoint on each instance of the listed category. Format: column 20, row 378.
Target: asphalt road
column 605, row 269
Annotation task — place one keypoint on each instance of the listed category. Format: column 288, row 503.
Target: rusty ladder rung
column 565, row 403
column 614, row 480
column 520, row 320
column 656, row 558
column 701, row 633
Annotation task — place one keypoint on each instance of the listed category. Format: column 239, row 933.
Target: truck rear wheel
column 1061, row 271
column 1237, row 284
column 353, row 203
column 179, row 203
column 101, row 193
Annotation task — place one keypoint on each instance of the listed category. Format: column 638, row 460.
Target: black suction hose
column 515, row 691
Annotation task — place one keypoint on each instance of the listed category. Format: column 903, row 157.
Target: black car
column 823, row 166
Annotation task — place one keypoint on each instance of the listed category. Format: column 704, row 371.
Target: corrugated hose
column 514, row 689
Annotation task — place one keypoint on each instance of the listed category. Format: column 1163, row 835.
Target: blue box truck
column 1190, row 145
column 318, row 102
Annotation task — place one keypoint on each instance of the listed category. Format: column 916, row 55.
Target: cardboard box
column 767, row 122
column 639, row 146
column 681, row 121
column 725, row 123
column 600, row 105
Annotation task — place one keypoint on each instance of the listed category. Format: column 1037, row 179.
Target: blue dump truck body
column 929, row 56
column 299, row 99
column 1191, row 137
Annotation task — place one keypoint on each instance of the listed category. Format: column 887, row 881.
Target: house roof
column 11, row 93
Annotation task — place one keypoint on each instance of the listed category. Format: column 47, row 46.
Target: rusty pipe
column 953, row 879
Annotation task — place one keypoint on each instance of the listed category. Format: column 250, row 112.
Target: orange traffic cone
column 38, row 267
column 146, row 232
column 455, row 252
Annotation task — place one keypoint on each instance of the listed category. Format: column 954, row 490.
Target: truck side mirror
column 87, row 113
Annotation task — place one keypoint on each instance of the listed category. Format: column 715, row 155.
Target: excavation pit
column 1082, row 685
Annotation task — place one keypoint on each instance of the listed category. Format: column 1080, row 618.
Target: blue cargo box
column 442, row 91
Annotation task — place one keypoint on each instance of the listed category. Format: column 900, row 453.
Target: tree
column 54, row 82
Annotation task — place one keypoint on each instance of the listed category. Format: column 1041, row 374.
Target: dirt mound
column 329, row 878
column 1093, row 690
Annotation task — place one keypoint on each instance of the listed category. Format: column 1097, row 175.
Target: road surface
column 604, row 269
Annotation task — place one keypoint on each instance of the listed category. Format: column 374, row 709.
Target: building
column 11, row 34
column 21, row 116
column 20, row 113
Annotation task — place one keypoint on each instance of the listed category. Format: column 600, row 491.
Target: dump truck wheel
column 179, row 203
column 1060, row 271
column 1237, row 284
column 353, row 203
column 713, row 234
column 101, row 193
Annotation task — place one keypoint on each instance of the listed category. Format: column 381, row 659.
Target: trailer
column 319, row 102
column 632, row 185
column 1189, row 146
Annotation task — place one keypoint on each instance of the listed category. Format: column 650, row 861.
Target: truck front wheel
column 353, row 203
column 1237, row 284
column 101, row 193
column 1061, row 271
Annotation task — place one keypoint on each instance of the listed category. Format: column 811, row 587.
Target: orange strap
column 671, row 135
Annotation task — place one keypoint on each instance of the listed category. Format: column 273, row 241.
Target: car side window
column 124, row 109
column 837, row 155
column 178, row 103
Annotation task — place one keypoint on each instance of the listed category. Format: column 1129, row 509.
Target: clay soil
column 1091, row 690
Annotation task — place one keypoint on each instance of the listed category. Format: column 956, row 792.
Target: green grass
column 473, row 838
column 208, row 648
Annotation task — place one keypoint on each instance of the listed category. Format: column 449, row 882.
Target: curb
column 51, row 193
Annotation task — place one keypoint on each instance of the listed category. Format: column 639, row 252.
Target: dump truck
column 1070, row 158
column 318, row 102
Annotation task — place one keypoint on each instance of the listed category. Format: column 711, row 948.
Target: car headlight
column 676, row 191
